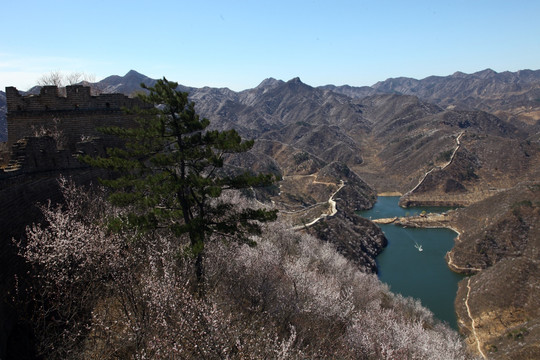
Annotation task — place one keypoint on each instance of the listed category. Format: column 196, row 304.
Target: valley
column 467, row 140
column 413, row 264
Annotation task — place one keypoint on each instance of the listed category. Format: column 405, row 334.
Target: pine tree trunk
column 199, row 272
column 197, row 244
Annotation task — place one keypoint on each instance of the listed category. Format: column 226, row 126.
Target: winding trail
column 451, row 264
column 458, row 145
column 477, row 340
column 331, row 201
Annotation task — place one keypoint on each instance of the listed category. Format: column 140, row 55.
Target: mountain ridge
column 351, row 128
column 447, row 149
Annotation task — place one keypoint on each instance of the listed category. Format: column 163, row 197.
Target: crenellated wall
column 74, row 116
column 77, row 98
column 31, row 178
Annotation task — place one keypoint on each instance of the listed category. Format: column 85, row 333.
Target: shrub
column 129, row 295
column 293, row 279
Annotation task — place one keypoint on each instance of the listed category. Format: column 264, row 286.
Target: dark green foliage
column 170, row 172
column 517, row 334
column 445, row 155
column 301, row 157
column 523, row 203
column 469, row 174
column 534, row 188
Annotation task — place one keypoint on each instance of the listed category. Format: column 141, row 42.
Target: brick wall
column 75, row 115
column 31, row 177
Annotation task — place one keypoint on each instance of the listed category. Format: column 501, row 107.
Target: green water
column 420, row 274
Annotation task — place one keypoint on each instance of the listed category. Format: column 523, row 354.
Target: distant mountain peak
column 484, row 74
column 269, row 82
column 295, row 80
column 133, row 73
column 296, row 83
column 459, row 74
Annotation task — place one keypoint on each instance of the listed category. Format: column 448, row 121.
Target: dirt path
column 473, row 323
column 331, row 201
column 458, row 142
column 458, row 145
column 453, row 266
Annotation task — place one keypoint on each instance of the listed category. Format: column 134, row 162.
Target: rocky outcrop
column 324, row 202
column 356, row 195
column 358, row 239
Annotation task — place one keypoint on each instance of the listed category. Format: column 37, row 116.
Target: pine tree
column 172, row 174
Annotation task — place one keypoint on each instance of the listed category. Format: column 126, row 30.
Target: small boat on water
column 419, row 247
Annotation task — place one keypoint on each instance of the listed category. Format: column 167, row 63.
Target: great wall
column 67, row 126
column 70, row 127
column 78, row 113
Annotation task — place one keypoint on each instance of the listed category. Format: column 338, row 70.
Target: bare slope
column 511, row 95
column 498, row 308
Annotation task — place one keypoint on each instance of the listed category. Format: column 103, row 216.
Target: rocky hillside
column 391, row 141
column 399, row 143
column 509, row 95
column 498, row 308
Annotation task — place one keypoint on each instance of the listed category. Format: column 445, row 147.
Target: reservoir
column 424, row 274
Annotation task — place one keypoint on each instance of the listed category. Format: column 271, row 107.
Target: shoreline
column 433, row 221
column 390, row 193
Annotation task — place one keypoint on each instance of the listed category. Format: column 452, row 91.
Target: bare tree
column 53, row 78
column 61, row 80
column 102, row 294
column 99, row 294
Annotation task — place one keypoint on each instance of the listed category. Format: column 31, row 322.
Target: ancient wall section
column 70, row 118
column 31, row 179
column 66, row 126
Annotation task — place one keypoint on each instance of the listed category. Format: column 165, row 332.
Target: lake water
column 420, row 274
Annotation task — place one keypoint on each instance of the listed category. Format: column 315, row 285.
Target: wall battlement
column 76, row 115
column 78, row 98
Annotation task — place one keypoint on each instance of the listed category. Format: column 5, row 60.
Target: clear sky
column 239, row 43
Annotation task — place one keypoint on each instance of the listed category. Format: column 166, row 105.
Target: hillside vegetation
column 291, row 296
column 307, row 290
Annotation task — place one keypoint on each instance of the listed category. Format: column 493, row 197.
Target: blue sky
column 237, row 44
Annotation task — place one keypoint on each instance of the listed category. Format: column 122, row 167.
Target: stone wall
column 70, row 117
column 31, row 178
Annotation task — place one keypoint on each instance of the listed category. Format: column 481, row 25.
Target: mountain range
column 510, row 95
column 386, row 135
column 470, row 140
